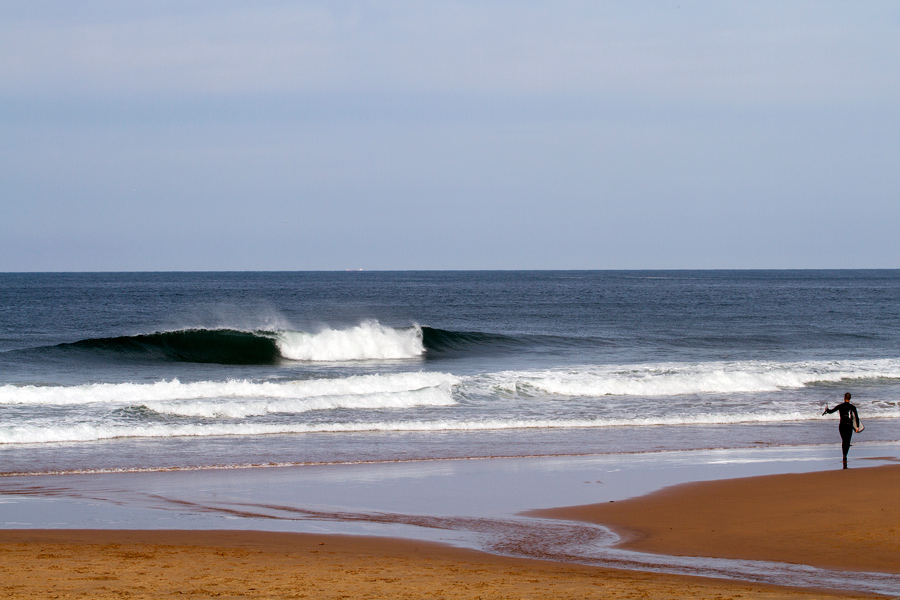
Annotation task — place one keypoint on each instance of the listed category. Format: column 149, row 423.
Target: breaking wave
column 369, row 340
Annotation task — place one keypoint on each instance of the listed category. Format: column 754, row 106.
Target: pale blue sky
column 449, row 135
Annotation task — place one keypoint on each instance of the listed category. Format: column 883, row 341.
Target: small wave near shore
column 640, row 396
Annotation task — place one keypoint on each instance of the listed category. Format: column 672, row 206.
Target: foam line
column 670, row 379
column 129, row 394
column 86, row 432
column 244, row 409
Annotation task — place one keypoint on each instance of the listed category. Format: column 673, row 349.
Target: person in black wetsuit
column 849, row 421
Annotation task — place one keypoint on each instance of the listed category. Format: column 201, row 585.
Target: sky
column 492, row 134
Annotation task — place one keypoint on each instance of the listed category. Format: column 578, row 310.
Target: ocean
column 162, row 371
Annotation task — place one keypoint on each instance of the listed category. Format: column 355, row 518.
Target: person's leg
column 846, row 434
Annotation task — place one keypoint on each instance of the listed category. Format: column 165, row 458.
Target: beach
column 178, row 564
column 770, row 518
column 795, row 523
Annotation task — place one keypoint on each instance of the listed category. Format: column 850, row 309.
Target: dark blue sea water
column 180, row 370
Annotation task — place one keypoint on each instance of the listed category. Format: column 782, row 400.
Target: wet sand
column 832, row 519
column 230, row 564
column 838, row 519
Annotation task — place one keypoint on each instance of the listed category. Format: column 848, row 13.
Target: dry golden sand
column 840, row 519
column 185, row 564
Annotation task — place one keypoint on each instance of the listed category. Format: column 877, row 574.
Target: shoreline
column 416, row 460
column 838, row 520
column 469, row 511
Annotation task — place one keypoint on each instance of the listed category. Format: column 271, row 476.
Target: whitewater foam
column 369, row 340
column 439, row 396
column 129, row 394
column 714, row 393
column 82, row 432
column 671, row 379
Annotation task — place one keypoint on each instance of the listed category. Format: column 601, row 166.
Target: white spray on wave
column 369, row 340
